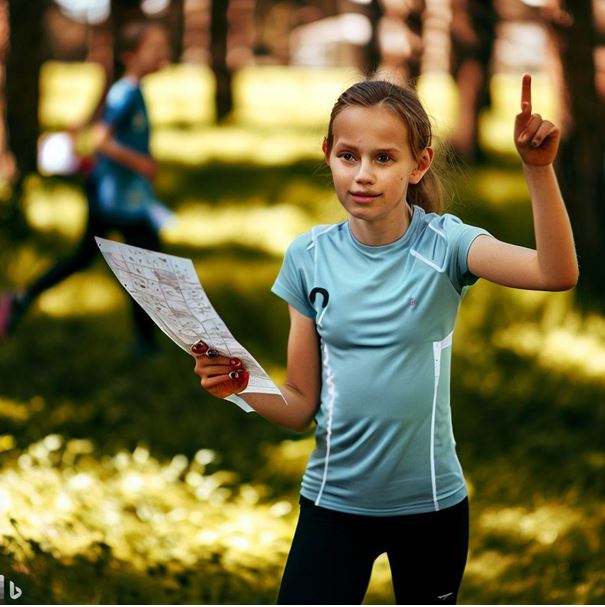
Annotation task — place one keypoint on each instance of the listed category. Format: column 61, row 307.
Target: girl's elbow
column 572, row 283
column 565, row 283
column 300, row 428
column 300, row 425
column 293, row 425
column 573, row 278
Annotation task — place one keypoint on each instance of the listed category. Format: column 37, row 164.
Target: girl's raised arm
column 303, row 381
column 553, row 265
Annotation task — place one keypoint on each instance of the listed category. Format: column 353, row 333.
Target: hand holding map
column 168, row 289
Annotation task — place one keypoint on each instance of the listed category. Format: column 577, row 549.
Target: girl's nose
column 364, row 174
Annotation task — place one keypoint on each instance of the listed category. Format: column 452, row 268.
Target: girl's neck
column 132, row 75
column 381, row 232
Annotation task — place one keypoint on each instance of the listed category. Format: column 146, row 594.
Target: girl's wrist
column 537, row 168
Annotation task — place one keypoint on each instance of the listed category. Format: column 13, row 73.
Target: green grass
column 122, row 481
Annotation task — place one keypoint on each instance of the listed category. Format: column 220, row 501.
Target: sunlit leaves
column 67, row 499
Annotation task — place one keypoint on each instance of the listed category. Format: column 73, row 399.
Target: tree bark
column 473, row 34
column 580, row 159
column 26, row 53
column 219, row 29
column 372, row 51
column 175, row 22
column 25, row 57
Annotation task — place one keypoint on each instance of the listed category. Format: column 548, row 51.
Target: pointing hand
column 537, row 140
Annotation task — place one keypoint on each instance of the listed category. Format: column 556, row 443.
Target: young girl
column 119, row 191
column 373, row 303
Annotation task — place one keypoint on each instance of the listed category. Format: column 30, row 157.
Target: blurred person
column 118, row 190
column 373, row 303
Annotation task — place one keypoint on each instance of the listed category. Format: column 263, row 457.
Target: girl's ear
column 422, row 166
column 324, row 149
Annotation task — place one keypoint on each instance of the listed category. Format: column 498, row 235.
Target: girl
column 119, row 189
column 373, row 302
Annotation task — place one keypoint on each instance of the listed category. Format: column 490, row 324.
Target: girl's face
column 372, row 163
column 152, row 53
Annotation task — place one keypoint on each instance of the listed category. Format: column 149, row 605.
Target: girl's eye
column 347, row 156
column 383, row 158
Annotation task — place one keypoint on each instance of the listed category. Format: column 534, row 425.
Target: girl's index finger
column 526, row 94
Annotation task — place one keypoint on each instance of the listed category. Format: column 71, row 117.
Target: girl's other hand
column 537, row 140
column 220, row 375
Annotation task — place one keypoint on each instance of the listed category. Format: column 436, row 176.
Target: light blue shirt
column 123, row 195
column 385, row 317
column 126, row 112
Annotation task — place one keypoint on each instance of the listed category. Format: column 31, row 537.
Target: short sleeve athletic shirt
column 385, row 317
column 125, row 112
column 123, row 195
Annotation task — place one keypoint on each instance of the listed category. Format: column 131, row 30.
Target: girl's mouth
column 363, row 197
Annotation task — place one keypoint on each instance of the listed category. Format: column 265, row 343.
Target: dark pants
column 137, row 233
column 333, row 552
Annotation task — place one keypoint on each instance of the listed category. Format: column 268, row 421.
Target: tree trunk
column 7, row 169
column 372, row 52
column 219, row 28
column 580, row 160
column 25, row 58
column 175, row 23
column 26, row 54
column 473, row 35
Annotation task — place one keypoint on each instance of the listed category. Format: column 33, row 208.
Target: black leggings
column 332, row 555
column 137, row 233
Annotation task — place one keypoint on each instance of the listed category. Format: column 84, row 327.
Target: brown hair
column 428, row 193
column 129, row 39
column 131, row 35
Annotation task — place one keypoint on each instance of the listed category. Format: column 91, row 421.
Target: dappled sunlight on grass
column 524, row 556
column 269, row 229
column 575, row 348
column 489, row 565
column 7, row 441
column 236, row 144
column 180, row 94
column 68, row 92
column 22, row 265
column 439, row 95
column 60, row 498
column 501, row 308
column 285, row 95
column 551, row 334
column 54, row 207
column 380, row 590
column 83, row 295
column 499, row 186
column 19, row 411
column 60, row 494
column 545, row 524
column 289, row 458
